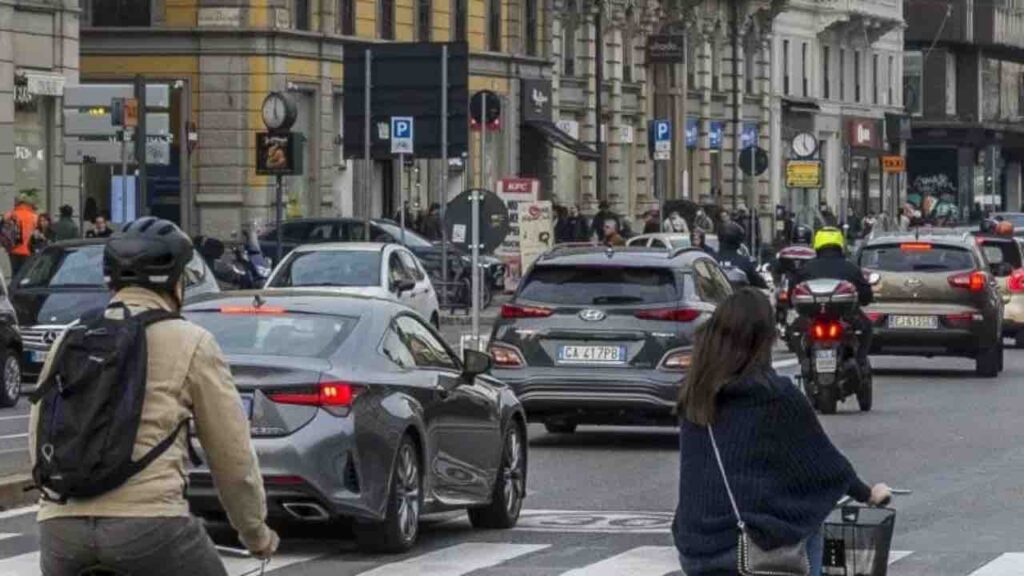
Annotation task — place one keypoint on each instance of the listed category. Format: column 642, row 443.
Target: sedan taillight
column 335, row 397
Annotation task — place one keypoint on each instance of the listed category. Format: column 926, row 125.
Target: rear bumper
column 940, row 342
column 316, row 465
column 595, row 396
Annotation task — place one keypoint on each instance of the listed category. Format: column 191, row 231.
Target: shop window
column 423, row 13
column 386, row 20
column 300, row 14
column 459, row 20
column 531, row 25
column 127, row 13
column 347, row 17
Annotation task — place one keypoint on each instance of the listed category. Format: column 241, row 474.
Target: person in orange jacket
column 24, row 214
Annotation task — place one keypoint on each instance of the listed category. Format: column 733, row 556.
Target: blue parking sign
column 401, row 135
column 661, row 139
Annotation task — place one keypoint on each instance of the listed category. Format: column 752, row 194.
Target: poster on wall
column 536, row 233
column 514, row 191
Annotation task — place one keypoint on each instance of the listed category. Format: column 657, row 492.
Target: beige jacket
column 188, row 376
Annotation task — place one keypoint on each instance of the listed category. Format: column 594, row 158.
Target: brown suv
column 934, row 296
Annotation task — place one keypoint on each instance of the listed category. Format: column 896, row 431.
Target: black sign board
column 279, row 154
column 458, row 220
column 753, row 160
column 406, row 81
column 536, row 100
column 666, row 48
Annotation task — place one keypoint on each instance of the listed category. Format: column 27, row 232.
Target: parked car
column 670, row 241
column 1006, row 264
column 321, row 230
column 56, row 286
column 360, row 411
column 604, row 336
column 934, row 296
column 11, row 349
column 387, row 271
column 1015, row 218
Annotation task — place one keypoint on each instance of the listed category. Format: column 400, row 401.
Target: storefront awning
column 558, row 138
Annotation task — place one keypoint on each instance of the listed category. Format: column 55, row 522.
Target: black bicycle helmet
column 731, row 236
column 149, row 252
column 803, row 235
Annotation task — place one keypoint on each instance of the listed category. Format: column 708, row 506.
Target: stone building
column 38, row 56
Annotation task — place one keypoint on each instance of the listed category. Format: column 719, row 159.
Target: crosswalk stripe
column 456, row 560
column 897, row 555
column 21, row 565
column 7, row 535
column 1005, row 565
column 244, row 566
column 641, row 561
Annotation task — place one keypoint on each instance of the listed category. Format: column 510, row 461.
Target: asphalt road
column 601, row 500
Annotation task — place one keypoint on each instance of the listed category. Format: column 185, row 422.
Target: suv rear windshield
column 1002, row 252
column 916, row 257
column 303, row 335
column 64, row 267
column 597, row 285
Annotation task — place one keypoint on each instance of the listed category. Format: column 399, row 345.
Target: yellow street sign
column 893, row 164
column 803, row 174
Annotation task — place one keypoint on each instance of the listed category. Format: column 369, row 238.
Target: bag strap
column 725, row 479
column 154, row 453
column 154, row 315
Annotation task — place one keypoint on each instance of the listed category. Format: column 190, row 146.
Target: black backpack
column 90, row 406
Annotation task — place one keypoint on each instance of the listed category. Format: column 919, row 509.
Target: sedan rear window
column 263, row 334
column 596, row 285
column 329, row 268
column 67, row 267
column 916, row 257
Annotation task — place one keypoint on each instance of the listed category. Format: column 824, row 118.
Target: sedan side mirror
column 475, row 363
column 404, row 285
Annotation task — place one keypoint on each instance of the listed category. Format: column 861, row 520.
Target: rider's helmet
column 731, row 236
column 988, row 226
column 829, row 237
column 803, row 235
column 149, row 252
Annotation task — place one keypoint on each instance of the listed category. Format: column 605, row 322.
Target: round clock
column 278, row 112
column 805, row 144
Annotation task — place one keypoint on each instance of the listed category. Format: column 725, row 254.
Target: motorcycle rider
column 830, row 262
column 729, row 241
column 144, row 526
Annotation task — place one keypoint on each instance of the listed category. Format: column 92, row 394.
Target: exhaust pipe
column 306, row 511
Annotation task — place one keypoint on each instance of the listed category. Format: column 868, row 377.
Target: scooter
column 789, row 260
column 828, row 353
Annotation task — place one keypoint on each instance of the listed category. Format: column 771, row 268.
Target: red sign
column 864, row 133
column 518, row 186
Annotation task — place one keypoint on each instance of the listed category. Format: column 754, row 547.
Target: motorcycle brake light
column 826, row 330
column 973, row 281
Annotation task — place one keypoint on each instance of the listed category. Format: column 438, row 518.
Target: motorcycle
column 828, row 353
column 247, row 268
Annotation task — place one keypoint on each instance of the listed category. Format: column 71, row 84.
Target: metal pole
column 444, row 170
column 367, row 161
column 185, row 188
column 124, row 175
column 602, row 189
column 401, row 194
column 141, row 201
column 279, row 217
column 483, row 140
column 475, row 260
column 734, row 25
column 81, row 196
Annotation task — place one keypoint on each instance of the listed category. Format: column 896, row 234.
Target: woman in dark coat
column 784, row 471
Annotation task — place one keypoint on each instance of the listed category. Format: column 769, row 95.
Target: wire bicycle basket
column 857, row 541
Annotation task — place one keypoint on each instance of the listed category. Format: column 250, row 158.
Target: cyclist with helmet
column 730, row 240
column 830, row 262
column 143, row 526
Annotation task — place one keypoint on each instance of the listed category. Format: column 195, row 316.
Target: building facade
column 38, row 56
column 964, row 84
column 839, row 77
column 223, row 57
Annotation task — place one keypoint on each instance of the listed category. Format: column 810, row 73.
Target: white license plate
column 247, row 407
column 592, row 354
column 824, row 361
column 914, row 322
column 37, row 356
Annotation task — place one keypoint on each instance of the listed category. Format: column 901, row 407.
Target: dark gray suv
column 604, row 336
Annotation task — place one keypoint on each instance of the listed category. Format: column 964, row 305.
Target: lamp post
column 602, row 161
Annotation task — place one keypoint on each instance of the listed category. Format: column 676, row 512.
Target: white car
column 387, row 271
column 668, row 240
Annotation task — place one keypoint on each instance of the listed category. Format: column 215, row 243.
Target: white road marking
column 14, row 436
column 595, row 522
column 8, row 535
column 19, row 512
column 1006, row 565
column 897, row 555
column 242, row 566
column 21, row 417
column 456, row 560
column 22, row 565
column 641, row 561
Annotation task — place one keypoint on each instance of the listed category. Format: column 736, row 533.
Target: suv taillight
column 506, row 356
column 1015, row 283
column 973, row 281
column 669, row 314
column 512, row 311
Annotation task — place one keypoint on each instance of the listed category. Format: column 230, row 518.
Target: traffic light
column 479, row 115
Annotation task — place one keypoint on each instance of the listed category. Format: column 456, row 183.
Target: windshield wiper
column 618, row 299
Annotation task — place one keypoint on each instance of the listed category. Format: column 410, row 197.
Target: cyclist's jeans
column 146, row 546
column 816, row 552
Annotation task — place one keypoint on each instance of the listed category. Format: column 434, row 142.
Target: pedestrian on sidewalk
column 65, row 228
column 782, row 469
column 18, row 226
column 43, row 235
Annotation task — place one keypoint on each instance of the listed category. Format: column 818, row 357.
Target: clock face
column 273, row 112
column 805, row 144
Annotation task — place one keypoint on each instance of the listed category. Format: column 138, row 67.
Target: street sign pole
column 444, row 171
column 141, row 137
column 753, row 203
column 124, row 175
column 483, row 141
column 475, row 261
column 279, row 217
column 401, row 192
column 367, row 162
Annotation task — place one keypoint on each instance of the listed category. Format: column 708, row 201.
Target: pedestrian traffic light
column 485, row 108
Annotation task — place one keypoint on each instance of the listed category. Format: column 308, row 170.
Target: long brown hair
column 736, row 340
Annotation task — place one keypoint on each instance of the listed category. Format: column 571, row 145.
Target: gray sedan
column 360, row 410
